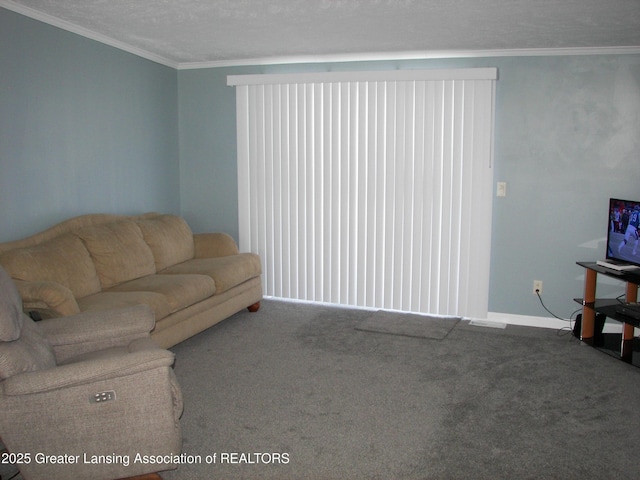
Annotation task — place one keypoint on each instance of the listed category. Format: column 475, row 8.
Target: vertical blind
column 369, row 189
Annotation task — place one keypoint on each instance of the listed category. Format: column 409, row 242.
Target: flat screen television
column 623, row 237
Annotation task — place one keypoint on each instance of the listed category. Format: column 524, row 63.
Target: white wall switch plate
column 501, row 190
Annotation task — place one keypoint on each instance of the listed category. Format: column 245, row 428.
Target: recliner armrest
column 96, row 330
column 88, row 371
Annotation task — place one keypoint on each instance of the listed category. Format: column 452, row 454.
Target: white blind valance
column 369, row 189
column 365, row 76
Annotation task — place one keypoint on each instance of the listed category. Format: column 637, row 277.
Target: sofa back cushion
column 64, row 260
column 169, row 238
column 118, row 251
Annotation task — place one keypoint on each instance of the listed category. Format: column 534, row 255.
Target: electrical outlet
column 537, row 287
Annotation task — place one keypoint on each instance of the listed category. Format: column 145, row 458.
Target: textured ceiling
column 235, row 31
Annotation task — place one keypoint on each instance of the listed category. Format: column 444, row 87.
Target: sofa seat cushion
column 169, row 238
column 112, row 300
column 64, row 260
column 119, row 251
column 227, row 272
column 180, row 291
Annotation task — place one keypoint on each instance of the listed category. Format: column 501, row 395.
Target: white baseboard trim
column 611, row 326
column 528, row 320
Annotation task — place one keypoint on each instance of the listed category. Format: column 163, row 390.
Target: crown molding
column 415, row 55
column 356, row 57
column 487, row 73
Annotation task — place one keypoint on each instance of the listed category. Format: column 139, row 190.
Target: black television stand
column 591, row 305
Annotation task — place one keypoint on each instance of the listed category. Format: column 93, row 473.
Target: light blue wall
column 84, row 128
column 567, row 137
column 208, row 179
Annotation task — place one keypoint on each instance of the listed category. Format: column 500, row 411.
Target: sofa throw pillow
column 170, row 239
column 64, row 260
column 10, row 308
column 28, row 353
column 119, row 251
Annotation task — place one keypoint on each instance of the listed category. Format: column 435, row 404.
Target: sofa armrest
column 49, row 297
column 88, row 371
column 209, row 245
column 96, row 330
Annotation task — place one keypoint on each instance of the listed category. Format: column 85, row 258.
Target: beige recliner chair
column 89, row 396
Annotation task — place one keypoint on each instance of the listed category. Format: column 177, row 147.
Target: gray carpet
column 409, row 325
column 302, row 383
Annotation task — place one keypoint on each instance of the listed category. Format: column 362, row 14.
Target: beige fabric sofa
column 101, row 262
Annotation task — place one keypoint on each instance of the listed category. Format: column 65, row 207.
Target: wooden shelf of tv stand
column 591, row 305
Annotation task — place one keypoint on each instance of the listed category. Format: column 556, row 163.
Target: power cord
column 545, row 307
column 564, row 330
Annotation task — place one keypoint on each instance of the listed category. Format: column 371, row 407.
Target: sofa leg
column 254, row 308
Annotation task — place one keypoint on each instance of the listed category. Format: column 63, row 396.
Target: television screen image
column 623, row 237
